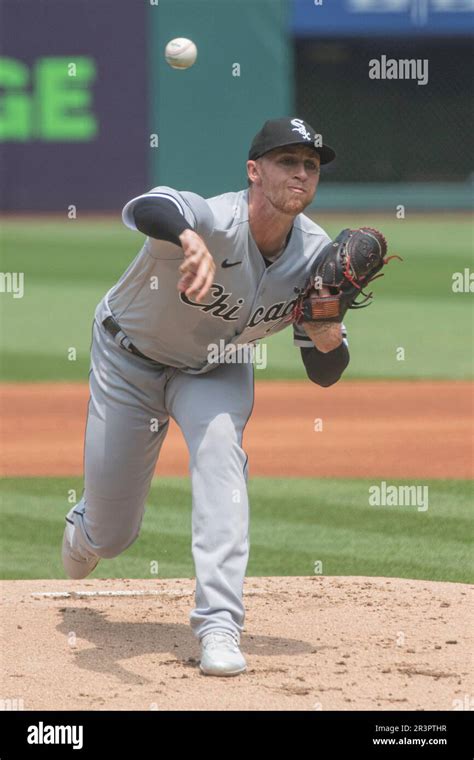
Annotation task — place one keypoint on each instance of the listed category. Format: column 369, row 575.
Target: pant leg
column 126, row 426
column 212, row 411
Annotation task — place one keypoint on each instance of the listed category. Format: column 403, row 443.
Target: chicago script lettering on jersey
column 275, row 312
column 219, row 307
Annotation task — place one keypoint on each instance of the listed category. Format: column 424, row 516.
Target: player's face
column 289, row 178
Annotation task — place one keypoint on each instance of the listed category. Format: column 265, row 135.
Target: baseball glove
column 345, row 267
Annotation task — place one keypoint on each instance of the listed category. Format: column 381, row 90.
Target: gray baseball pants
column 131, row 401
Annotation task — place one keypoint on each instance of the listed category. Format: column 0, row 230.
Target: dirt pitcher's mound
column 311, row 643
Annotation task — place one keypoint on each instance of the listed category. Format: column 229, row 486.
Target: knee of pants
column 110, row 541
column 113, row 545
column 221, row 440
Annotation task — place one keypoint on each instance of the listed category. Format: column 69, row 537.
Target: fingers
column 193, row 245
column 198, row 278
column 198, row 271
column 206, row 286
column 185, row 281
column 192, row 259
column 202, row 280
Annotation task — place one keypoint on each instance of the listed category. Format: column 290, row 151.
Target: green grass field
column 69, row 265
column 294, row 524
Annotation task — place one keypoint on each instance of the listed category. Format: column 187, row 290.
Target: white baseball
column 180, row 53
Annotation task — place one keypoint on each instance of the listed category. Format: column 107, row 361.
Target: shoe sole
column 222, row 673
column 79, row 574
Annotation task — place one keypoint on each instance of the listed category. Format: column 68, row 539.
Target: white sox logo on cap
column 298, row 126
column 277, row 133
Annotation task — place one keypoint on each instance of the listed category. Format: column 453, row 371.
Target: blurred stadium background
column 83, row 137
column 91, row 115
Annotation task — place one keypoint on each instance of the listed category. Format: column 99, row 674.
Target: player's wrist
column 326, row 336
column 187, row 234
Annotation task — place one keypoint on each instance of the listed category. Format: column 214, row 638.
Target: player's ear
column 252, row 170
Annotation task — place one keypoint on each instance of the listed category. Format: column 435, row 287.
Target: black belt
column 114, row 329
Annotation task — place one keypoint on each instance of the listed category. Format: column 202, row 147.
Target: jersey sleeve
column 302, row 340
column 193, row 207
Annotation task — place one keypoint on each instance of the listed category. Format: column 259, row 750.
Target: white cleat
column 76, row 567
column 220, row 654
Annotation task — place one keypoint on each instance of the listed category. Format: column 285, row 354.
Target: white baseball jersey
column 247, row 301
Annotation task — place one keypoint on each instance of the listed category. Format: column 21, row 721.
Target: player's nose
column 300, row 171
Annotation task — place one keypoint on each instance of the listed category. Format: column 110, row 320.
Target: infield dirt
column 311, row 643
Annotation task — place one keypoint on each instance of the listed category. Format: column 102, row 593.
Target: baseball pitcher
column 220, row 272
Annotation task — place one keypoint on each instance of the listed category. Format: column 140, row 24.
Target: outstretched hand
column 198, row 267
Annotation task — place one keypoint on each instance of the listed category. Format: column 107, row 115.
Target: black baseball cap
column 276, row 133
